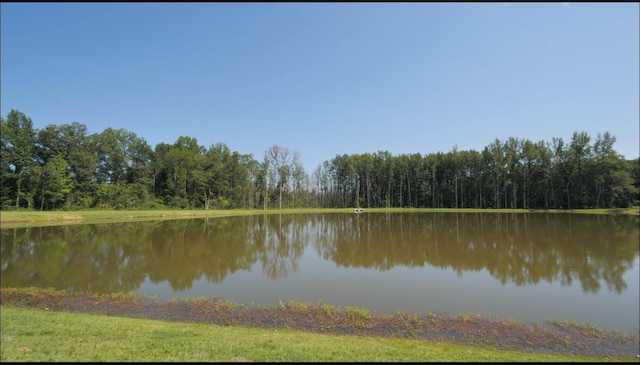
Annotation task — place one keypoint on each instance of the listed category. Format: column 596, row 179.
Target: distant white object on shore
column 358, row 210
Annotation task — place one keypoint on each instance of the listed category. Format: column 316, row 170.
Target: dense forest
column 65, row 167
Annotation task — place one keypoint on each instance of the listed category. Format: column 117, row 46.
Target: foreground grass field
column 56, row 325
column 40, row 335
column 26, row 218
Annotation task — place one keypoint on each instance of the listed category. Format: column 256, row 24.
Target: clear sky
column 327, row 78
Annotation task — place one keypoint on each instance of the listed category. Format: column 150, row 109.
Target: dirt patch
column 551, row 338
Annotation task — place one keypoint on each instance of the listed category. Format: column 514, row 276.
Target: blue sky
column 327, row 78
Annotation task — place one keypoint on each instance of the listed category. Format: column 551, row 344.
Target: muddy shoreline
column 550, row 337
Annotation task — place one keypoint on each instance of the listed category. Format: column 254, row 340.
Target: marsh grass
column 299, row 307
column 328, row 309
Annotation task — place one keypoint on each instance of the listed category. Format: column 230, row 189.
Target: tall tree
column 512, row 155
column 579, row 159
column 529, row 157
column 321, row 183
column 123, row 156
column 178, row 173
column 216, row 166
column 18, row 147
column 185, row 158
column 79, row 149
column 613, row 182
column 7, row 178
column 279, row 158
column 495, row 161
column 55, row 183
column 299, row 181
column 544, row 190
column 560, row 178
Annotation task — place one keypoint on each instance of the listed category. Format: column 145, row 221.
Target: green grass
column 25, row 218
column 38, row 335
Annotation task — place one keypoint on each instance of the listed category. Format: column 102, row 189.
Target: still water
column 529, row 267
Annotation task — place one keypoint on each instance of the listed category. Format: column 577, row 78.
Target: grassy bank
column 216, row 329
column 39, row 335
column 23, row 218
column 36, row 218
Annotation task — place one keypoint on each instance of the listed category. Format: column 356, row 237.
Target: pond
column 529, row 267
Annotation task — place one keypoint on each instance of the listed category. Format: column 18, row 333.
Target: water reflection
column 524, row 249
column 521, row 248
column 281, row 240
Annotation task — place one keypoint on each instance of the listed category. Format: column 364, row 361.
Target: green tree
column 560, row 178
column 242, row 169
column 612, row 178
column 7, row 177
column 579, row 158
column 364, row 168
column 495, row 167
column 299, row 182
column 228, row 177
column 633, row 167
column 218, row 191
column 321, row 185
column 123, row 156
column 512, row 170
column 55, row 183
column 124, row 162
column 18, row 147
column 79, row 149
column 544, row 172
column 183, row 162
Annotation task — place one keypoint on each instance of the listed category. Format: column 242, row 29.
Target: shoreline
column 553, row 337
column 28, row 218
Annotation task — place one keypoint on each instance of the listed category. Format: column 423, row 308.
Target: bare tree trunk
column 18, row 193
column 279, row 158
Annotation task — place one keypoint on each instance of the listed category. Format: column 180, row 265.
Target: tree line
column 65, row 167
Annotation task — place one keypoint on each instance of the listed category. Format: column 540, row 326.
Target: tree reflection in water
column 282, row 244
column 524, row 249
